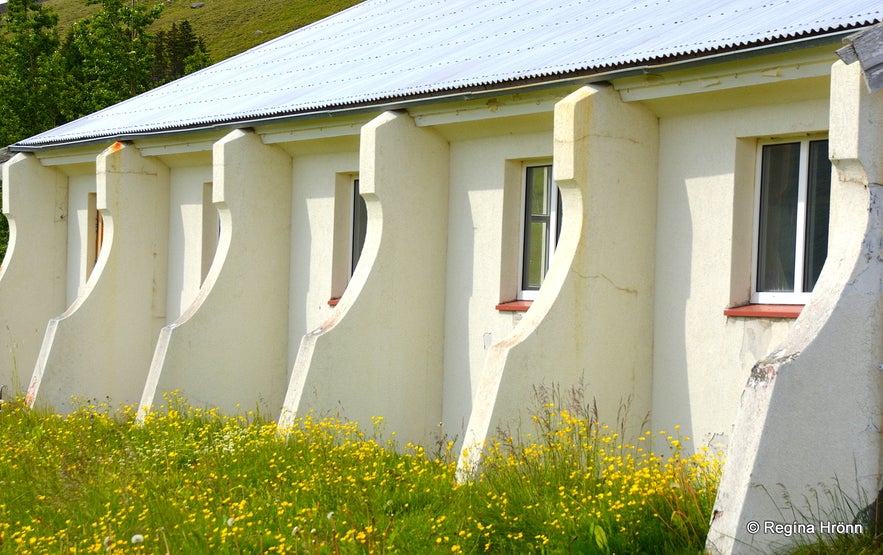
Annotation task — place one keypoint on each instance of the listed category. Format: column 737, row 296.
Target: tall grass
column 194, row 481
column 856, row 518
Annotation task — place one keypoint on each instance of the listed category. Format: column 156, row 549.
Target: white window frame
column 551, row 239
column 798, row 296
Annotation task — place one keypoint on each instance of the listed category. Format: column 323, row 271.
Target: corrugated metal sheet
column 388, row 49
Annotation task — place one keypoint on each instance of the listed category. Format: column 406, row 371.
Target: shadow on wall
column 4, row 225
column 673, row 281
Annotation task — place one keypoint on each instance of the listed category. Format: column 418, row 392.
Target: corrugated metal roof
column 389, row 49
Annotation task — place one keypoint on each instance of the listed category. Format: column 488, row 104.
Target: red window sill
column 765, row 311
column 514, row 306
column 334, row 301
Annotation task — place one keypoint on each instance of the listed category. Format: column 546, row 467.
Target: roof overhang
column 575, row 79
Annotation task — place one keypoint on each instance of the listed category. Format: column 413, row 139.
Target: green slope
column 228, row 26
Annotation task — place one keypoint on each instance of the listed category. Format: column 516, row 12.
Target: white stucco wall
column 313, row 227
column 592, row 320
column 809, row 417
column 99, row 348
column 229, row 348
column 477, row 242
column 32, row 276
column 657, row 242
column 380, row 351
column 79, row 263
column 703, row 261
column 187, row 209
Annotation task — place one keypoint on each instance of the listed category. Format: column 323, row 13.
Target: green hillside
column 228, row 26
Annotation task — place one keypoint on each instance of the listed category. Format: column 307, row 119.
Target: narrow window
column 794, row 189
column 540, row 228
column 350, row 225
column 95, row 233
column 360, row 225
column 211, row 230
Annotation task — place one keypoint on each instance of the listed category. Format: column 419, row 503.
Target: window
column 350, row 226
column 360, row 225
column 95, row 233
column 540, row 227
column 791, row 217
column 211, row 229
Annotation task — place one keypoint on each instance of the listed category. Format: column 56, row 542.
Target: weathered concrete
column 229, row 348
column 810, row 413
column 593, row 314
column 100, row 347
column 380, row 352
column 32, row 275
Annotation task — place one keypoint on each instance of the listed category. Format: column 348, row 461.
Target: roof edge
column 508, row 87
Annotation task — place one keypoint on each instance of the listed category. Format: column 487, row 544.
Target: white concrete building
column 422, row 211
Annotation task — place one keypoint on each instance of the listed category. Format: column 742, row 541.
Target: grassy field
column 228, row 26
column 194, row 481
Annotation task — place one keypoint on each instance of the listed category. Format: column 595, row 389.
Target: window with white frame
column 540, row 225
column 793, row 189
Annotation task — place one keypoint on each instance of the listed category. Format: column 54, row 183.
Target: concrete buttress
column 32, row 278
column 380, row 353
column 594, row 311
column 100, row 347
column 229, row 347
column 809, row 418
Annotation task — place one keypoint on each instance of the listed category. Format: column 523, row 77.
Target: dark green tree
column 160, row 58
column 108, row 57
column 182, row 42
column 198, row 59
column 177, row 52
column 30, row 77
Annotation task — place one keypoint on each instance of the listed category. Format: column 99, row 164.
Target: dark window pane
column 537, row 218
column 560, row 218
column 537, row 184
column 537, row 253
column 777, row 235
column 818, row 209
column 360, row 223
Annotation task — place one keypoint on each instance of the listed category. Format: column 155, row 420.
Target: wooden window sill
column 514, row 306
column 765, row 311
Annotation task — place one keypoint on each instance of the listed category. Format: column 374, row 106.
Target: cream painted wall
column 702, row 358
column 591, row 322
column 229, row 348
column 101, row 346
column 380, row 352
column 706, row 178
column 809, row 419
column 661, row 247
column 475, row 264
column 78, row 263
column 33, row 272
column 313, row 241
column 186, row 228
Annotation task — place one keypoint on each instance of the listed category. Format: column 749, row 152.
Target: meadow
column 191, row 480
